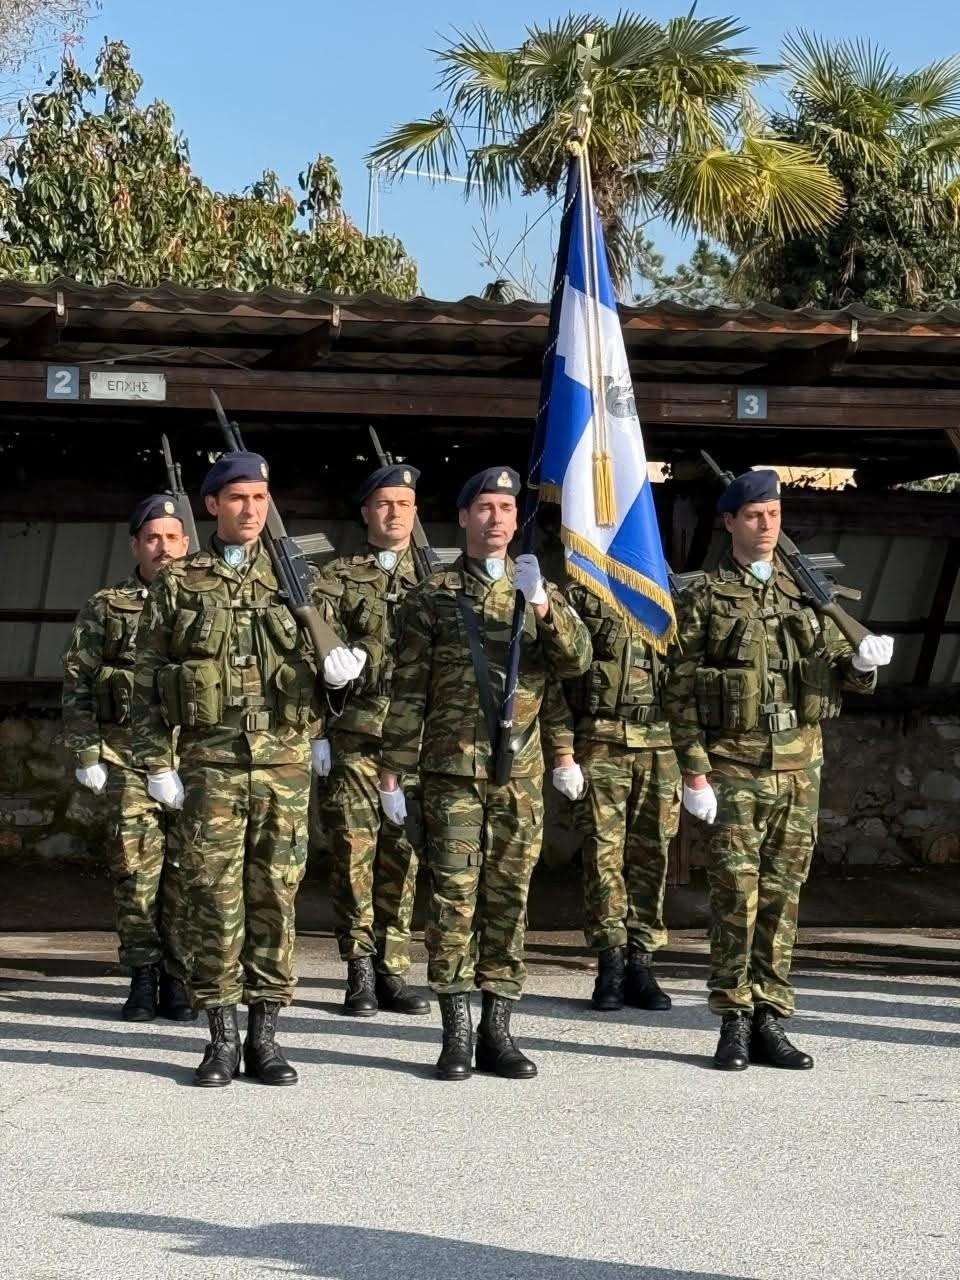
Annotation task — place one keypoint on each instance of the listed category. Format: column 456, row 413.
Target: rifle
column 425, row 559
column 179, row 495
column 808, row 572
column 286, row 557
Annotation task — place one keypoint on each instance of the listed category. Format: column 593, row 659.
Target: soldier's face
column 754, row 530
column 156, row 543
column 490, row 522
column 240, row 510
column 389, row 515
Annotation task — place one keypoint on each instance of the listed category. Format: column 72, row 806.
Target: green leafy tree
column 675, row 130
column 892, row 141
column 100, row 189
column 706, row 280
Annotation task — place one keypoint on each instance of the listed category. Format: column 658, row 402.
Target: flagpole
column 576, row 145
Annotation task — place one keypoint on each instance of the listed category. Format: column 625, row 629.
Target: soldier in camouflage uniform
column 631, row 807
column 97, row 691
column 757, row 672
column 373, row 870
column 221, row 658
column 482, row 840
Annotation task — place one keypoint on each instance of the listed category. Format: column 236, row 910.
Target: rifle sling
column 480, row 667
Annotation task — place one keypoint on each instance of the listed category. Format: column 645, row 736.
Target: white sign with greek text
column 114, row 384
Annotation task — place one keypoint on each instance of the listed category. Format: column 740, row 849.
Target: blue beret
column 159, row 506
column 502, row 480
column 234, row 468
column 752, row 486
column 396, row 476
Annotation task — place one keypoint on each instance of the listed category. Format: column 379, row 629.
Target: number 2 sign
column 63, row 382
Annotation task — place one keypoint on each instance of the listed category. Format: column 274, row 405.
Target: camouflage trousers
column 143, row 857
column 760, row 850
column 244, row 853
column 483, row 842
column 373, row 862
column 627, row 817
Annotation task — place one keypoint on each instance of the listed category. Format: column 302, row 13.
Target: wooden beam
column 301, row 351
column 41, row 334
column 462, row 397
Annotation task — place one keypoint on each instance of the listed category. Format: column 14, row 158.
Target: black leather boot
column 221, row 1058
column 261, row 1057
column 361, row 996
column 733, row 1048
column 769, row 1044
column 496, row 1050
column 642, row 991
column 174, row 999
column 608, row 988
column 454, row 1061
column 392, row 993
column 141, row 1003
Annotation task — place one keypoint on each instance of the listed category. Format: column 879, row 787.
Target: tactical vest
column 238, row 657
column 624, row 679
column 113, row 683
column 367, row 611
column 765, row 667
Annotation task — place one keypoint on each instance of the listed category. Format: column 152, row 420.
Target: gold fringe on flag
column 604, row 502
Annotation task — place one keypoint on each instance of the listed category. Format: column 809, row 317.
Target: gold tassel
column 604, row 503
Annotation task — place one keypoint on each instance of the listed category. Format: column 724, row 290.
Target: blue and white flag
column 592, row 459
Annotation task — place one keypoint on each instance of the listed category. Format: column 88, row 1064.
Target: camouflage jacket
column 436, row 717
column 620, row 697
column 755, row 672
column 220, row 655
column 98, row 675
column 368, row 598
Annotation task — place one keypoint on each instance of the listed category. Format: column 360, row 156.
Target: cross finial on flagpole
column 580, row 126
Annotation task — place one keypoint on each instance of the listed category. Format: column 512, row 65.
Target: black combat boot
column 608, row 988
column 221, row 1058
column 141, row 1003
column 496, row 1050
column 642, row 991
column 261, row 1057
column 174, row 1000
column 393, row 994
column 454, row 1061
column 769, row 1044
column 733, row 1048
column 361, row 994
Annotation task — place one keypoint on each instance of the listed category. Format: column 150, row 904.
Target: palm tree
column 892, row 140
column 675, row 131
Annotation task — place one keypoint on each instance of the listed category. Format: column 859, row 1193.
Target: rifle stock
column 287, row 559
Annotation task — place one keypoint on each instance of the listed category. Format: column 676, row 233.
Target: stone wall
column 891, row 797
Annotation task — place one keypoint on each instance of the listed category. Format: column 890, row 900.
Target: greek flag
column 591, row 455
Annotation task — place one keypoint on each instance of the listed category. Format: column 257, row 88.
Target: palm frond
column 628, row 43
column 795, row 192
column 934, row 90
column 433, row 144
column 492, row 171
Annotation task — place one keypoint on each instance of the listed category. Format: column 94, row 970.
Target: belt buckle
column 256, row 721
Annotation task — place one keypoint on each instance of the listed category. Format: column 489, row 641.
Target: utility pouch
column 740, row 695
column 709, row 697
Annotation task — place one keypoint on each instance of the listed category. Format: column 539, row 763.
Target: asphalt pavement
column 628, row 1158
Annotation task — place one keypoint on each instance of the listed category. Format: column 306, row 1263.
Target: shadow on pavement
column 339, row 1253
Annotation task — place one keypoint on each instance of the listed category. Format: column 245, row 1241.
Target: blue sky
column 256, row 85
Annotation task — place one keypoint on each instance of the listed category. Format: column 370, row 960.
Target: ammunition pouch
column 200, row 632
column 281, row 627
column 818, row 693
column 296, row 695
column 191, row 694
column 113, row 691
column 728, row 699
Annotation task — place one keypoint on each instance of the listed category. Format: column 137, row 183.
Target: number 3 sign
column 751, row 402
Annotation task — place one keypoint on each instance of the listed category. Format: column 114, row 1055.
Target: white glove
column 874, row 651
column 321, row 756
column 702, row 803
column 342, row 665
column 92, row 776
column 569, row 781
column 166, row 787
column 529, row 580
column 394, row 805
